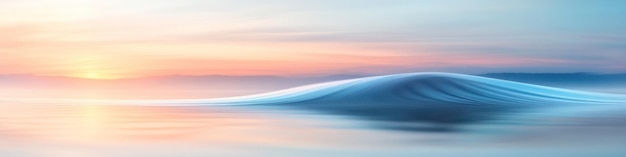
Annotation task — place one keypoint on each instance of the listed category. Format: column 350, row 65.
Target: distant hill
column 173, row 86
column 174, row 81
column 562, row 79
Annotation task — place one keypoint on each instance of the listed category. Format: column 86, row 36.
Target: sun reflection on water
column 93, row 121
column 102, row 124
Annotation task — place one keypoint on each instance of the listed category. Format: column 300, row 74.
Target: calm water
column 86, row 130
column 55, row 128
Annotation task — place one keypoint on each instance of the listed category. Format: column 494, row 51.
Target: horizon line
column 292, row 76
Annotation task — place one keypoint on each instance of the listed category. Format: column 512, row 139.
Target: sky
column 107, row 39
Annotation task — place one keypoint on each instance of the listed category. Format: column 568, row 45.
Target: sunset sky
column 108, row 39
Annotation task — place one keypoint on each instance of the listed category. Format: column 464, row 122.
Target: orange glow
column 78, row 50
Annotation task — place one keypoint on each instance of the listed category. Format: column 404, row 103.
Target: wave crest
column 425, row 88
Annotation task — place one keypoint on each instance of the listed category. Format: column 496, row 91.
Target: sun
column 92, row 75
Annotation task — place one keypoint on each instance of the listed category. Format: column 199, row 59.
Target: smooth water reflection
column 103, row 130
column 102, row 123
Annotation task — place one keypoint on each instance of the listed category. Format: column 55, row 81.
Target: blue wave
column 426, row 88
column 428, row 97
